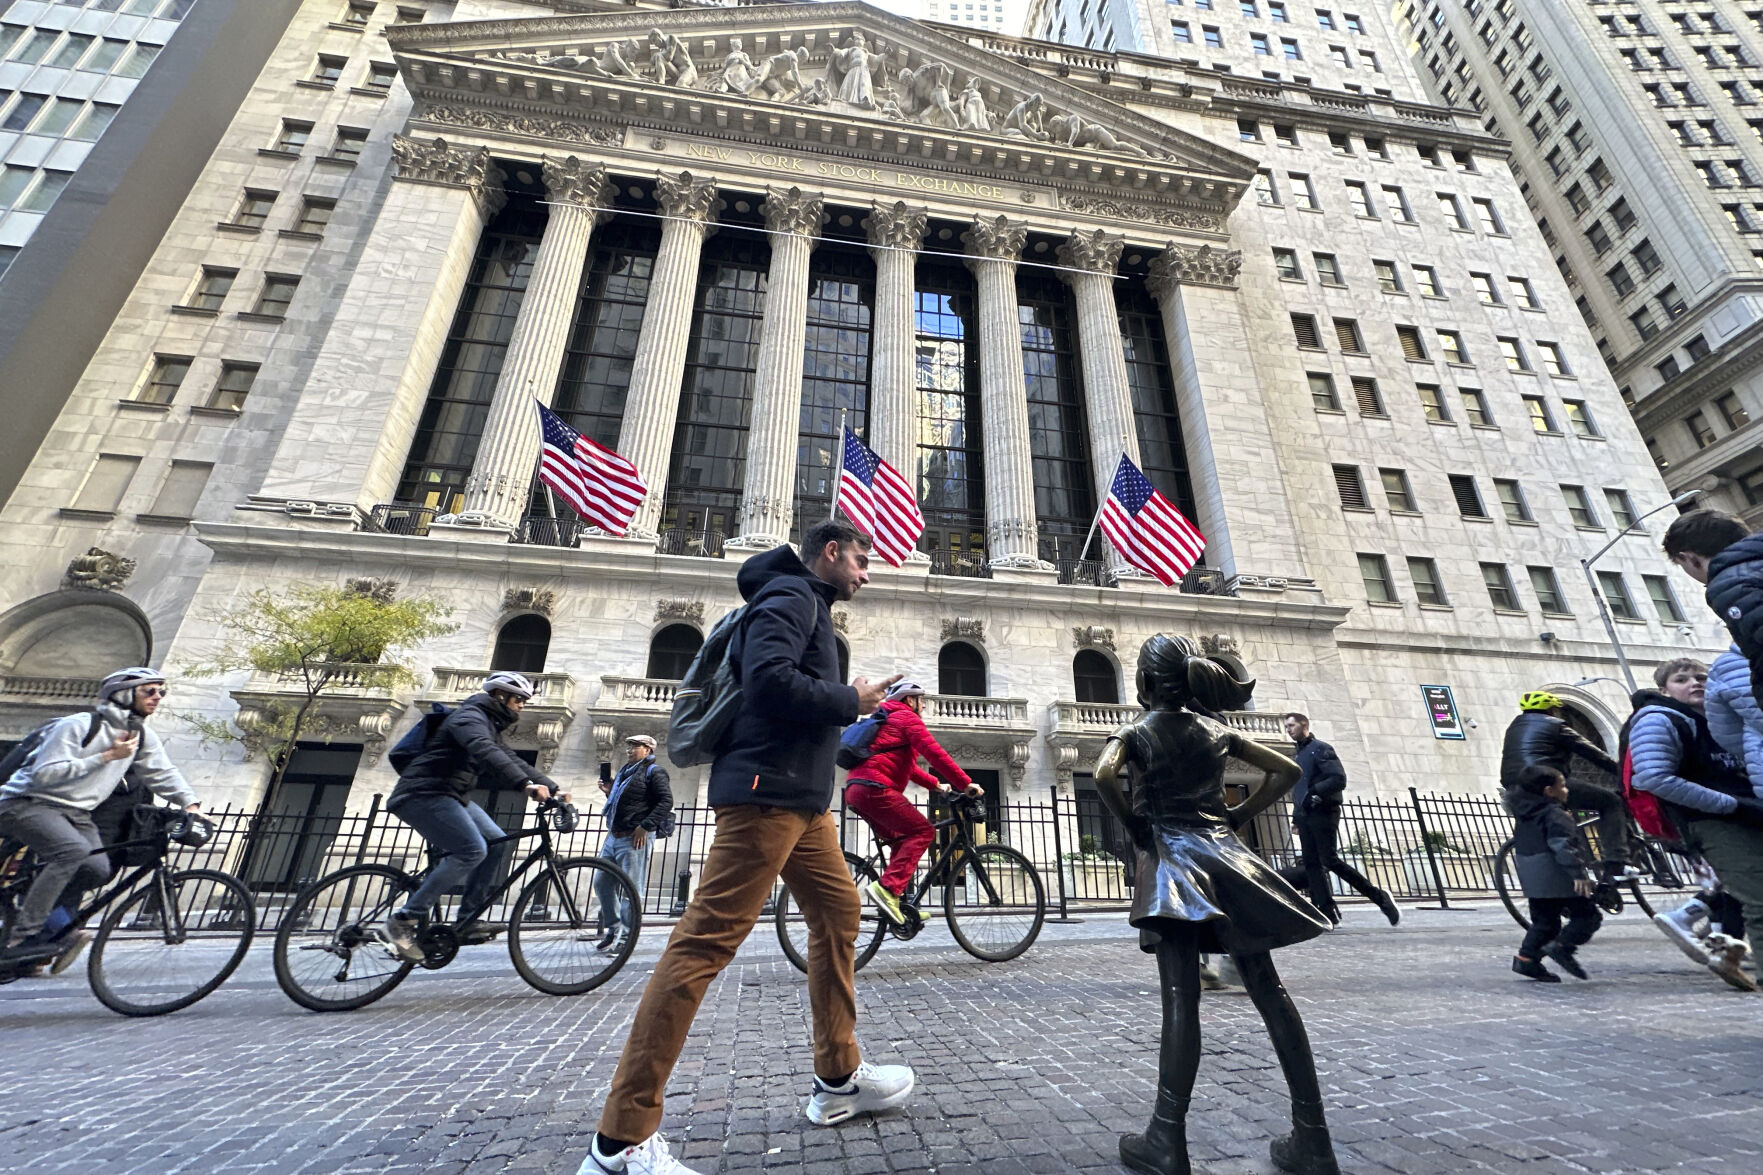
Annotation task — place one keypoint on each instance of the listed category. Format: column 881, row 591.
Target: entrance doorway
column 289, row 846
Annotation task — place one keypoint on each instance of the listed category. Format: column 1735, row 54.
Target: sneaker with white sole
column 649, row 1157
column 71, row 946
column 1680, row 927
column 888, row 902
column 871, row 1089
column 401, row 931
column 1727, row 959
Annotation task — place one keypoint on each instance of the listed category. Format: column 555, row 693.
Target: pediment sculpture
column 854, row 76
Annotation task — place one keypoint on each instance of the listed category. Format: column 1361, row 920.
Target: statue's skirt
column 1207, row 879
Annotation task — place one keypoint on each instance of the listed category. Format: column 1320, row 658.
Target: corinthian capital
column 1098, row 252
column 571, row 181
column 437, row 161
column 686, row 197
column 1190, row 266
column 898, row 227
column 998, row 239
column 792, row 211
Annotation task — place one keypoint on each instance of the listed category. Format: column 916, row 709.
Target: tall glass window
column 1064, row 492
column 603, row 338
column 459, row 399
column 950, row 473
column 835, row 372
column 1162, row 453
column 716, row 398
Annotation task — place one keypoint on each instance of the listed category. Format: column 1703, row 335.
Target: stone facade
column 1137, row 182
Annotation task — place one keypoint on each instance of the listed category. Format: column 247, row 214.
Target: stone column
column 894, row 234
column 769, row 490
column 651, row 405
column 1223, row 413
column 346, row 443
column 1091, row 259
column 993, row 247
column 501, row 478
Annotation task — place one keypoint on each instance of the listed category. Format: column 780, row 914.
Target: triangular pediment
column 837, row 78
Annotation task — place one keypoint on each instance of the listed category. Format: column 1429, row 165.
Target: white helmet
column 119, row 688
column 903, row 689
column 503, row 681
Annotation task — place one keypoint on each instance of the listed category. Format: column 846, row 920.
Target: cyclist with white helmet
column 466, row 751
column 47, row 802
column 876, row 790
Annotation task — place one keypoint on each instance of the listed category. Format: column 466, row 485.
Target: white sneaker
column 871, row 1089
column 649, row 1157
column 1680, row 927
column 1728, row 955
column 401, row 934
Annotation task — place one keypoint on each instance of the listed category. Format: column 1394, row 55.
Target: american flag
column 1146, row 529
column 879, row 501
column 601, row 486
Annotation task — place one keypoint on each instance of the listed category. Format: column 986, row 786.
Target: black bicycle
column 1664, row 875
column 170, row 937
column 993, row 898
column 332, row 953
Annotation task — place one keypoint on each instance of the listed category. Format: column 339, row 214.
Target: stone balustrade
column 549, row 689
column 981, row 713
column 42, row 690
column 347, row 679
column 637, row 693
column 1089, row 720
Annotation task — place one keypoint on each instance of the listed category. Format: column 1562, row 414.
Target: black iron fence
column 1427, row 847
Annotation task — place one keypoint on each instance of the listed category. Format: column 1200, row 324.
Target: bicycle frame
column 546, row 851
column 961, row 842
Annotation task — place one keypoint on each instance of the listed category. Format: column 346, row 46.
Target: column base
column 1028, row 572
column 753, row 542
column 471, row 528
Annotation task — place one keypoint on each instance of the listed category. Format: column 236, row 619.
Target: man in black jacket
column 1316, row 814
column 467, row 750
column 639, row 804
column 770, row 784
column 1540, row 737
column 1719, row 551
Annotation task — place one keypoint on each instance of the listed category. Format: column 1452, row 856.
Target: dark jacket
column 1324, row 780
column 1551, row 853
column 1535, row 738
column 647, row 801
column 1735, row 592
column 779, row 751
column 466, row 751
column 893, row 759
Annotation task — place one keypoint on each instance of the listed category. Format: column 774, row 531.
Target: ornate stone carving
column 1220, row 644
column 779, row 77
column 1147, row 213
column 898, row 227
column 571, row 181
column 99, row 570
column 380, row 591
column 438, row 162
column 923, row 95
column 685, row 197
column 1093, row 636
column 997, row 239
column 1026, row 120
column 529, row 599
column 970, row 107
column 558, row 129
column 841, row 622
column 1097, row 251
column 687, row 610
column 737, row 72
column 816, row 94
column 670, row 62
column 1070, row 130
column 793, row 211
column 964, row 629
column 1186, row 265
column 850, row 72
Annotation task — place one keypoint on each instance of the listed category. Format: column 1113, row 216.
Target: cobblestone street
column 1434, row 1058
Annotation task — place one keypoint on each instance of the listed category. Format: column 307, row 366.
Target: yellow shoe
column 887, row 902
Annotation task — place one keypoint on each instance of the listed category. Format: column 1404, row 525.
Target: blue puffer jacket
column 1735, row 592
column 1675, row 758
column 1734, row 718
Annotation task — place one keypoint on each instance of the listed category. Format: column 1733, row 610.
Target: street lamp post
column 1682, row 499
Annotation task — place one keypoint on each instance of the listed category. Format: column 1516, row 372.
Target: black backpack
column 709, row 695
column 416, row 739
column 27, row 748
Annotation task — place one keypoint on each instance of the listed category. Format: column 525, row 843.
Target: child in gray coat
column 1554, row 866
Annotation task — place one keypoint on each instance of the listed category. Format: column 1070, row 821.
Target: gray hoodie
column 65, row 771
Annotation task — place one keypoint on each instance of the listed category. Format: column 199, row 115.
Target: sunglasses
column 153, row 691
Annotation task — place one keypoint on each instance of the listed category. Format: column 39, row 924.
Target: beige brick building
column 1317, row 317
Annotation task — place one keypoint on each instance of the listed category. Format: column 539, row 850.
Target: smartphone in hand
column 605, row 773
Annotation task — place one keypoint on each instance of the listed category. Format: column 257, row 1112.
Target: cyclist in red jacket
column 876, row 791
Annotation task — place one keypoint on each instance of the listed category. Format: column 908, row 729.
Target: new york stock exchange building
column 703, row 235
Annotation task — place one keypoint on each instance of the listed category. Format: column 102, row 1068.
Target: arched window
column 1093, row 676
column 961, row 670
column 522, row 645
column 671, row 651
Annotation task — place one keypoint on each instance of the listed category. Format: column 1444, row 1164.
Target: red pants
column 898, row 824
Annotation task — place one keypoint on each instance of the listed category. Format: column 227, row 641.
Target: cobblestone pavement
column 1434, row 1058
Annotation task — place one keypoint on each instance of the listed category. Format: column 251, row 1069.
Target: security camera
column 1546, row 637
column 1472, row 724
column 1686, row 631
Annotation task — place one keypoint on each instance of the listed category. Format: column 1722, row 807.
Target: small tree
column 313, row 634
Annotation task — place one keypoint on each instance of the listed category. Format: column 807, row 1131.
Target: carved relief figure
column 1025, row 120
column 780, row 75
column 737, row 71
column 970, row 108
column 1073, row 131
column 614, row 61
column 848, row 73
column 924, row 95
column 670, row 63
column 818, row 94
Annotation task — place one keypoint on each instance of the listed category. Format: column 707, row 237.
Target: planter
column 1384, row 870
column 1465, row 871
column 1092, row 879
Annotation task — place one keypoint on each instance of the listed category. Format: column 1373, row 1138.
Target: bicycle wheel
column 171, row 942
column 1506, row 884
column 792, row 929
column 553, row 930
column 995, row 903
column 331, row 953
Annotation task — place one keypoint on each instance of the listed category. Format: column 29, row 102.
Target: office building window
column 1322, row 391
column 1616, row 596
column 1374, row 570
column 1579, row 506
column 164, row 379
column 1351, row 487
column 278, row 291
column 1548, row 591
column 233, row 386
column 1512, row 503
column 1468, row 497
column 1428, row 589
column 1499, row 584
column 1397, row 492
column 1665, row 604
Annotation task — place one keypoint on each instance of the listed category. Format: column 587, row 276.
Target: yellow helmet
column 1538, row 699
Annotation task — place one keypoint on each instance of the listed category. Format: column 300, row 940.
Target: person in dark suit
column 1316, row 816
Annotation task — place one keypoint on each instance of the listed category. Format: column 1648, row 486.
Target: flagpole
column 1098, row 518
column 838, row 470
